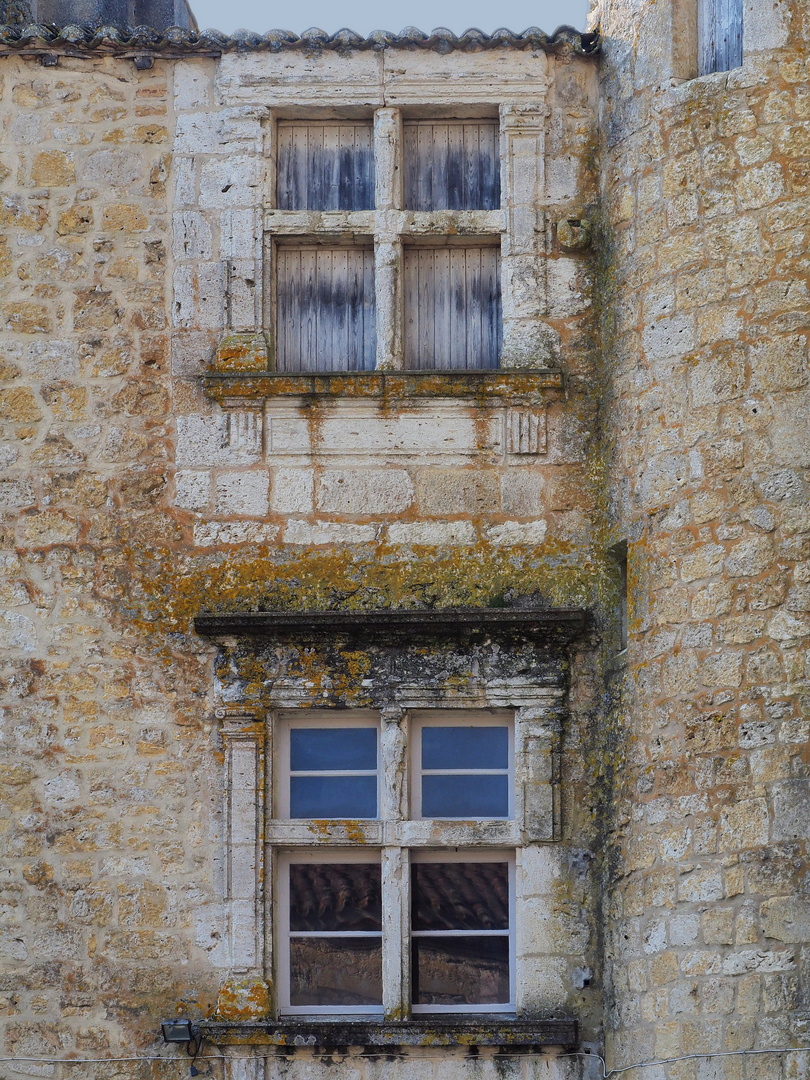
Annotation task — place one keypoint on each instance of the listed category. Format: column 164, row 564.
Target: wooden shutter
column 325, row 309
column 325, row 166
column 452, row 307
column 720, row 35
column 452, row 165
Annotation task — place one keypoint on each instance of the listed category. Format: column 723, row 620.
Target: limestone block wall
column 706, row 309
column 109, row 902
column 131, row 213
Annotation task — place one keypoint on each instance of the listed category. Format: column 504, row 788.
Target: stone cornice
column 559, row 625
column 497, row 386
column 300, row 1033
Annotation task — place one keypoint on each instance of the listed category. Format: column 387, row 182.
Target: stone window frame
column 253, row 839
column 391, row 228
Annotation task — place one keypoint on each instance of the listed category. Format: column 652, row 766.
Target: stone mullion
column 387, row 242
column 395, row 865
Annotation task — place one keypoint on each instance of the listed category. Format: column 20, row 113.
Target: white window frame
column 317, row 856
column 470, row 855
column 459, row 718
column 320, row 719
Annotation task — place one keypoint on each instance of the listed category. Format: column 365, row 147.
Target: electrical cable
column 606, row 1074
column 683, row 1057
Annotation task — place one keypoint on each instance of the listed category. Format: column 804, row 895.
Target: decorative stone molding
column 243, row 737
column 526, row 432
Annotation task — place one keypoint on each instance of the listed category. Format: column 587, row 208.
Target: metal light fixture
column 177, row 1031
column 182, row 1031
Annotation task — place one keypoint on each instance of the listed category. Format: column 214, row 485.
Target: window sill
column 507, row 1034
column 496, row 387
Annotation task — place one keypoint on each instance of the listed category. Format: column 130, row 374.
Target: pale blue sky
column 366, row 15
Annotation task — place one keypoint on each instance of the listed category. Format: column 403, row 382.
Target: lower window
column 452, row 307
column 325, row 309
column 461, row 931
column 331, row 934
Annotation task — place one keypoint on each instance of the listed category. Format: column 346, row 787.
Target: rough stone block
column 432, row 533
column 293, row 491
column 319, row 533
column 245, row 493
column 457, row 491
column 363, row 491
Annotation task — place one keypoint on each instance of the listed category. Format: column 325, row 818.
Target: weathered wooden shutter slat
column 452, row 308
column 720, row 35
column 452, row 165
column 326, row 166
column 325, row 309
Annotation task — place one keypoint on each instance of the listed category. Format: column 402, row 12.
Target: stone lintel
column 558, row 625
column 496, row 387
column 507, row 1034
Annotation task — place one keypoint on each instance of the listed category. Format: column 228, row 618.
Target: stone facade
column 652, row 389
column 707, row 430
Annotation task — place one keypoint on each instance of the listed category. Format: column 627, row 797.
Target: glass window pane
column 465, row 796
column 465, row 748
column 335, row 896
column 461, row 971
column 333, row 796
column 335, row 971
column 460, row 896
column 332, row 749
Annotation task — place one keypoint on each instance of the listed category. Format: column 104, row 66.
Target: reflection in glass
column 453, row 796
column 335, row 971
column 335, row 896
column 333, row 749
column 333, row 796
column 460, row 896
column 465, row 747
column 461, row 970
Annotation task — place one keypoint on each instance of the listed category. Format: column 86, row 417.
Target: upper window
column 452, row 165
column 325, row 166
column 720, row 35
column 328, row 768
column 462, row 768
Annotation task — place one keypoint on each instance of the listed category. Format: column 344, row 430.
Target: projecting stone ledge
column 560, row 625
column 507, row 1034
column 498, row 386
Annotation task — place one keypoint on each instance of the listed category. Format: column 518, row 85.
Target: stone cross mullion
column 395, row 865
column 387, row 240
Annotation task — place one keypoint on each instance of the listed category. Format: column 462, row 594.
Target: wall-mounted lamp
column 181, row 1031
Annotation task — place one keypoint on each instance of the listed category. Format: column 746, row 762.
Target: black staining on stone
column 368, row 666
column 15, row 13
column 510, row 1036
